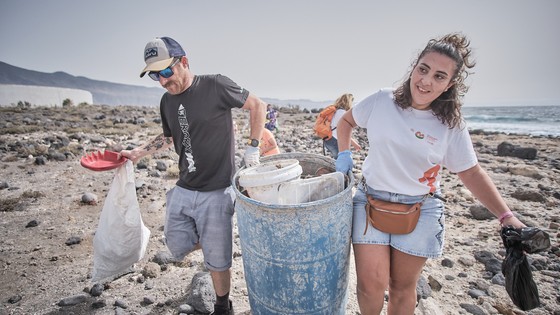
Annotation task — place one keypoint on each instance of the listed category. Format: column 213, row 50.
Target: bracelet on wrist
column 505, row 215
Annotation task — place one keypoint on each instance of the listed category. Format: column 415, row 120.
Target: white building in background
column 41, row 95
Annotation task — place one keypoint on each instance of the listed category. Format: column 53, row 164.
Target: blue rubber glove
column 344, row 162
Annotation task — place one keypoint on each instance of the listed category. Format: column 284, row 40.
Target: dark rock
column 446, row 262
column 480, row 212
column 499, row 279
column 98, row 304
column 483, row 256
column 40, row 160
column 494, row 266
column 73, row 240
column 434, row 284
column 148, row 300
column 14, row 299
column 96, row 289
column 526, row 195
column 161, row 166
column 164, row 257
column 73, row 300
column 32, row 223
column 473, row 309
column 508, row 149
column 57, row 156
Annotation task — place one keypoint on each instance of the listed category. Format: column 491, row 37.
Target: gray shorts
column 201, row 217
column 426, row 240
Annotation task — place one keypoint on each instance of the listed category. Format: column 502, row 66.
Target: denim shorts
column 426, row 240
column 201, row 217
column 332, row 146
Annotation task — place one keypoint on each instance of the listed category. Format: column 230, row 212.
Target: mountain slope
column 109, row 93
column 103, row 92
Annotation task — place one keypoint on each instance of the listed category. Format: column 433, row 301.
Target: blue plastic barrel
column 296, row 257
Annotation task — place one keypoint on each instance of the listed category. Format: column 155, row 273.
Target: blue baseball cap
column 159, row 54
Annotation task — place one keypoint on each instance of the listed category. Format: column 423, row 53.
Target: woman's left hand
column 513, row 221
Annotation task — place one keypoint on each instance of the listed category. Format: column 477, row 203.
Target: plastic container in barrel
column 296, row 257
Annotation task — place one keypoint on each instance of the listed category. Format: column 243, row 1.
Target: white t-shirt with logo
column 408, row 147
column 336, row 118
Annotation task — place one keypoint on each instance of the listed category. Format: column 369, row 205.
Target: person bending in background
column 268, row 144
column 197, row 122
column 414, row 131
column 271, row 116
column 343, row 103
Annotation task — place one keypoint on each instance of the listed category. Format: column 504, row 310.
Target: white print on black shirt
column 184, row 123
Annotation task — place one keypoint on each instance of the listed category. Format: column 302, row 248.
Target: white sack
column 121, row 237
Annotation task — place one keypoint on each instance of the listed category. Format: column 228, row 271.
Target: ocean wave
column 532, row 120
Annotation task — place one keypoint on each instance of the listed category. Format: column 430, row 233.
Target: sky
column 293, row 49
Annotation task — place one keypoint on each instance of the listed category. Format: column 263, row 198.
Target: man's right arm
column 159, row 143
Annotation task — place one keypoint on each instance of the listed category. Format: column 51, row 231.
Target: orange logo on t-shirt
column 430, row 177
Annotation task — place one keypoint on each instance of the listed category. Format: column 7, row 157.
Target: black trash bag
column 519, row 279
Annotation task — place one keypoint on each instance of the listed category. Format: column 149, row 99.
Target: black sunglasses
column 166, row 73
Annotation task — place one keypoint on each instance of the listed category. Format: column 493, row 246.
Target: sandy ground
column 38, row 268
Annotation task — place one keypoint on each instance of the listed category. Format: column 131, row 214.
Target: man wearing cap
column 197, row 121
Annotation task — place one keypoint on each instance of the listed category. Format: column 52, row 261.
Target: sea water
column 528, row 120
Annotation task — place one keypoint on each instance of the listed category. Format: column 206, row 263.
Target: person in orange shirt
column 268, row 144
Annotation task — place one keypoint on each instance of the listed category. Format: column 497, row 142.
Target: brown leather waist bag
column 391, row 217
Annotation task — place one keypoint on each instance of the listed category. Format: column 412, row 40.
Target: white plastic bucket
column 300, row 190
column 261, row 180
column 278, row 183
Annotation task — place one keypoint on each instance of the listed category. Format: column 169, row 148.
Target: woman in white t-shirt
column 342, row 104
column 414, row 131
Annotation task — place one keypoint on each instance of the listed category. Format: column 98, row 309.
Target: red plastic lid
column 102, row 160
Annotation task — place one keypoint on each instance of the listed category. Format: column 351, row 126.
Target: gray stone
column 473, row 309
column 161, row 166
column 202, row 296
column 89, row 198
column 151, row 270
column 475, row 293
column 73, row 300
column 96, row 289
column 480, row 212
column 423, row 289
column 164, row 257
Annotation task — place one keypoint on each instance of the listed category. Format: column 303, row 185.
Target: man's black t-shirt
column 200, row 122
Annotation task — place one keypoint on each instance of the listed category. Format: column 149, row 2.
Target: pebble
column 73, row 240
column 96, row 289
column 72, row 300
column 89, row 198
column 32, row 223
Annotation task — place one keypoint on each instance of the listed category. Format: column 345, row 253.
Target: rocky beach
column 50, row 207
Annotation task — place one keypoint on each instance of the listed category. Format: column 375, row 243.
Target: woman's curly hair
column 447, row 107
